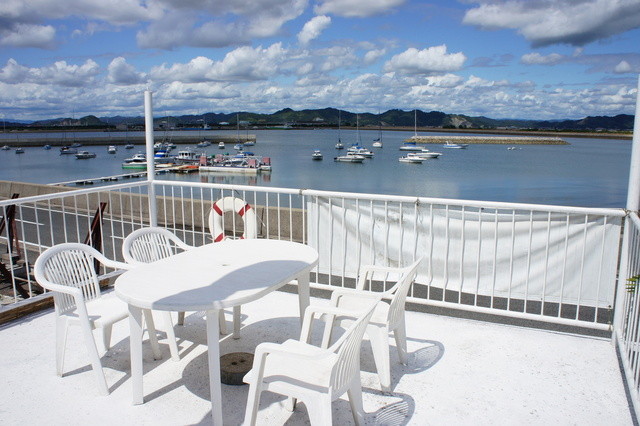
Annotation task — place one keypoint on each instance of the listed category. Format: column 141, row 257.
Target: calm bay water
column 588, row 172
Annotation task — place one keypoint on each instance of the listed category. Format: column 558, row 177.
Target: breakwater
column 483, row 139
column 33, row 139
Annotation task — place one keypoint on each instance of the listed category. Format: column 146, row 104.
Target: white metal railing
column 627, row 319
column 547, row 263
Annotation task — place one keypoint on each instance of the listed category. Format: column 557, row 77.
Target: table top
column 216, row 276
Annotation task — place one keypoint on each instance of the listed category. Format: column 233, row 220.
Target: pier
column 484, row 139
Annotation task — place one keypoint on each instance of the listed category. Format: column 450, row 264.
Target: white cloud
column 242, row 64
column 122, row 73
column 537, row 59
column 622, row 67
column 313, row 28
column 373, row 55
column 59, row 73
column 28, row 35
column 356, row 8
column 426, row 61
column 545, row 22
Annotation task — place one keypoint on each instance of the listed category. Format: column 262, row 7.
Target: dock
column 484, row 139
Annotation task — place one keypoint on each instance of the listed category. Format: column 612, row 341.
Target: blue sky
column 533, row 59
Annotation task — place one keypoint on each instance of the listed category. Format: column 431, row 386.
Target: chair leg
column 171, row 336
column 153, row 338
column 106, row 337
column 94, row 357
column 319, row 409
column 253, row 403
column 61, row 343
column 290, row 404
column 400, row 334
column 379, row 338
column 223, row 322
column 355, row 400
column 236, row 322
column 180, row 318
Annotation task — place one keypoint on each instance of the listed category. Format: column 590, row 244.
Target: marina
column 546, row 174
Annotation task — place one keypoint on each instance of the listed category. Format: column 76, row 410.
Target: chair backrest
column 347, row 348
column 396, row 310
column 147, row 245
column 68, row 264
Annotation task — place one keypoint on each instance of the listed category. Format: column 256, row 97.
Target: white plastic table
column 210, row 278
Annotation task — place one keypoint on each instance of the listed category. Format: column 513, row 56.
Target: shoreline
column 496, row 140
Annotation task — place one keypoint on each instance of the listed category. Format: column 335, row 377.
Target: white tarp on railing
column 559, row 257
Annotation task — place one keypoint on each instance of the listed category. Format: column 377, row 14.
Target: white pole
column 151, row 168
column 633, row 200
column 633, row 194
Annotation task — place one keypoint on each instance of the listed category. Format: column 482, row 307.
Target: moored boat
column 83, row 155
column 239, row 163
column 425, row 153
column 317, row 155
column 128, row 146
column 66, row 150
column 6, row 148
column 47, row 147
column 112, row 149
column 354, row 158
column 221, row 145
column 19, row 150
column 411, row 159
column 450, row 144
column 410, row 146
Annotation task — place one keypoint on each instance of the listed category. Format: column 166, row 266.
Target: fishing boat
column 452, row 145
column 349, row 158
column 411, row 159
column 317, row 155
column 66, row 150
column 19, row 150
column 83, row 155
column 112, row 149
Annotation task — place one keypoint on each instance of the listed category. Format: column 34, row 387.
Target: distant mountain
column 329, row 117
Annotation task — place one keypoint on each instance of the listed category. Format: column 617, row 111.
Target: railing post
column 151, row 167
column 633, row 201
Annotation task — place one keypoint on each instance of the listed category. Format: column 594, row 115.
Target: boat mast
column 415, row 123
column 339, row 119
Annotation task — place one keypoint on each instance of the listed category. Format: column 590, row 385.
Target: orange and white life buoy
column 232, row 204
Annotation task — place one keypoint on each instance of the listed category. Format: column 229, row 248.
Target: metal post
column 633, row 194
column 151, row 167
column 633, row 200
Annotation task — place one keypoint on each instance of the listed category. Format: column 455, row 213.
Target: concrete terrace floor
column 460, row 371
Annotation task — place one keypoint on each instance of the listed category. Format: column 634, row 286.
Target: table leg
column 213, row 341
column 135, row 349
column 303, row 293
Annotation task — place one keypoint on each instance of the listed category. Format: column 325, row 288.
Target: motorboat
column 83, row 155
column 339, row 145
column 136, row 158
column 139, row 161
column 358, row 150
column 221, row 145
column 249, row 143
column 203, row 144
column 411, row 159
column 349, row 158
column 239, row 163
column 410, row 146
column 66, row 150
column 377, row 143
column 6, row 148
column 112, row 149
column 317, row 155
column 425, row 153
column 128, row 146
column 76, row 145
column 19, row 150
column 47, row 147
column 238, row 147
column 187, row 156
column 450, row 144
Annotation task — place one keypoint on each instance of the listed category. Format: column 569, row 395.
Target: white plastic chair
column 315, row 375
column 388, row 315
column 148, row 245
column 68, row 271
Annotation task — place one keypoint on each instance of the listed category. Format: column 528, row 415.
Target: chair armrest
column 336, row 295
column 116, row 265
column 73, row 291
column 330, row 312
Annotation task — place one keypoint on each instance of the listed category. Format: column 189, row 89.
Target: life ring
column 232, row 204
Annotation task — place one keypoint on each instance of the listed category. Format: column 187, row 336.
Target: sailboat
column 377, row 142
column 339, row 145
column 410, row 144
